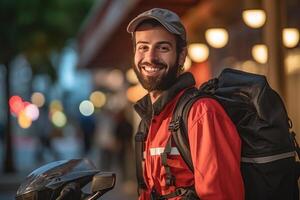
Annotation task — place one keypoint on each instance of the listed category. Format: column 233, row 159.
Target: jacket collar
column 146, row 110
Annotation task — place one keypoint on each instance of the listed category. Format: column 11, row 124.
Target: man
column 159, row 40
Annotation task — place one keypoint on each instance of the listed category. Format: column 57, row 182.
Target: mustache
column 153, row 63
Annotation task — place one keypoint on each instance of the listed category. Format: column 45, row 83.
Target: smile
column 151, row 71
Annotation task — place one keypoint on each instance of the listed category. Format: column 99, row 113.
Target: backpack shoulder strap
column 178, row 124
column 140, row 138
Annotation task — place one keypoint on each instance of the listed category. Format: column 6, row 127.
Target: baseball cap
column 167, row 18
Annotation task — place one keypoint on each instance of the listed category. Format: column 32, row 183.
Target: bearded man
column 159, row 40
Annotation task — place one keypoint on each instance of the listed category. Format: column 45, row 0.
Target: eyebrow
column 159, row 43
column 142, row 42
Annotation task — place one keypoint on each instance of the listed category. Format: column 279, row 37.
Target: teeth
column 151, row 69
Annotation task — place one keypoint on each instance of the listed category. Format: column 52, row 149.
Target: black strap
column 294, row 140
column 179, row 122
column 187, row 193
column 177, row 192
column 139, row 150
column 170, row 179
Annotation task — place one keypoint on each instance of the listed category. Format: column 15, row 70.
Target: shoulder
column 207, row 107
column 206, row 104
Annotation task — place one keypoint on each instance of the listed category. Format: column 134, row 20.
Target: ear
column 182, row 57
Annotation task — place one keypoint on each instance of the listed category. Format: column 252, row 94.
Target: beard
column 162, row 82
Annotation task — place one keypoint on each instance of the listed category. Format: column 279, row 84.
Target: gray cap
column 167, row 18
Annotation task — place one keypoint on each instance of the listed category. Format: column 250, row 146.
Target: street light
column 254, row 18
column 260, row 53
column 198, row 52
column 216, row 37
column 290, row 37
column 253, row 15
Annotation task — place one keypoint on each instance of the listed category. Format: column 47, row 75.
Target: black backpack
column 269, row 147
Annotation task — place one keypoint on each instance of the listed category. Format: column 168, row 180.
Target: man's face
column 155, row 57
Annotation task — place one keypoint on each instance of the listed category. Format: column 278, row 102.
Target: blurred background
column 67, row 87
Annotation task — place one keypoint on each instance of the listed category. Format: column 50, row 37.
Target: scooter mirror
column 103, row 181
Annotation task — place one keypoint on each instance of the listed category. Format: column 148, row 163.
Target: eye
column 142, row 48
column 164, row 48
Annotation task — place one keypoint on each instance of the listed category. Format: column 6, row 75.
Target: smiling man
column 156, row 58
column 159, row 40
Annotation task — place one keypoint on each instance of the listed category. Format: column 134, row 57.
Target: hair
column 180, row 43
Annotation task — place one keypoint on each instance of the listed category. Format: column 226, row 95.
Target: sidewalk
column 9, row 184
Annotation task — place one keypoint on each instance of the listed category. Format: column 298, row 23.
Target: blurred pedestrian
column 88, row 127
column 44, row 131
column 124, row 133
column 105, row 139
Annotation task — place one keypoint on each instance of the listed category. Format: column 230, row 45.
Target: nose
column 150, row 55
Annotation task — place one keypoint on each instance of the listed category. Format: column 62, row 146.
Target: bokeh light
column 32, row 112
column 216, row 37
column 260, row 53
column 115, row 79
column 131, row 76
column 86, row 108
column 16, row 104
column 38, row 99
column 23, row 120
column 254, row 18
column 134, row 93
column 59, row 119
column 198, row 52
column 55, row 105
column 98, row 99
column 290, row 37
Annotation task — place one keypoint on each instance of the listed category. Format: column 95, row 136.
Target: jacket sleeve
column 215, row 149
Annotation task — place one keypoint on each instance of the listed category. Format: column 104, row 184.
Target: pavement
column 9, row 184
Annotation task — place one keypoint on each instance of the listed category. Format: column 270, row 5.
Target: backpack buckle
column 210, row 86
column 170, row 180
column 174, row 125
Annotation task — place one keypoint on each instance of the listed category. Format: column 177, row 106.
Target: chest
column 158, row 133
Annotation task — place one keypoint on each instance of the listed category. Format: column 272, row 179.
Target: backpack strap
column 170, row 179
column 140, row 138
column 178, row 124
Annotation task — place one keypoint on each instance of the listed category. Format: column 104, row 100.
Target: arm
column 215, row 149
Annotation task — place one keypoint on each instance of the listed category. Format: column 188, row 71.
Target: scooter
column 65, row 180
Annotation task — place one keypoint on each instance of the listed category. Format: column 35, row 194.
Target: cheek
column 137, row 58
column 170, row 59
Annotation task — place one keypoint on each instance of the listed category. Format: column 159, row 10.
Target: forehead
column 150, row 33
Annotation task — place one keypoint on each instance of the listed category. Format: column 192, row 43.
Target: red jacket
column 214, row 143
